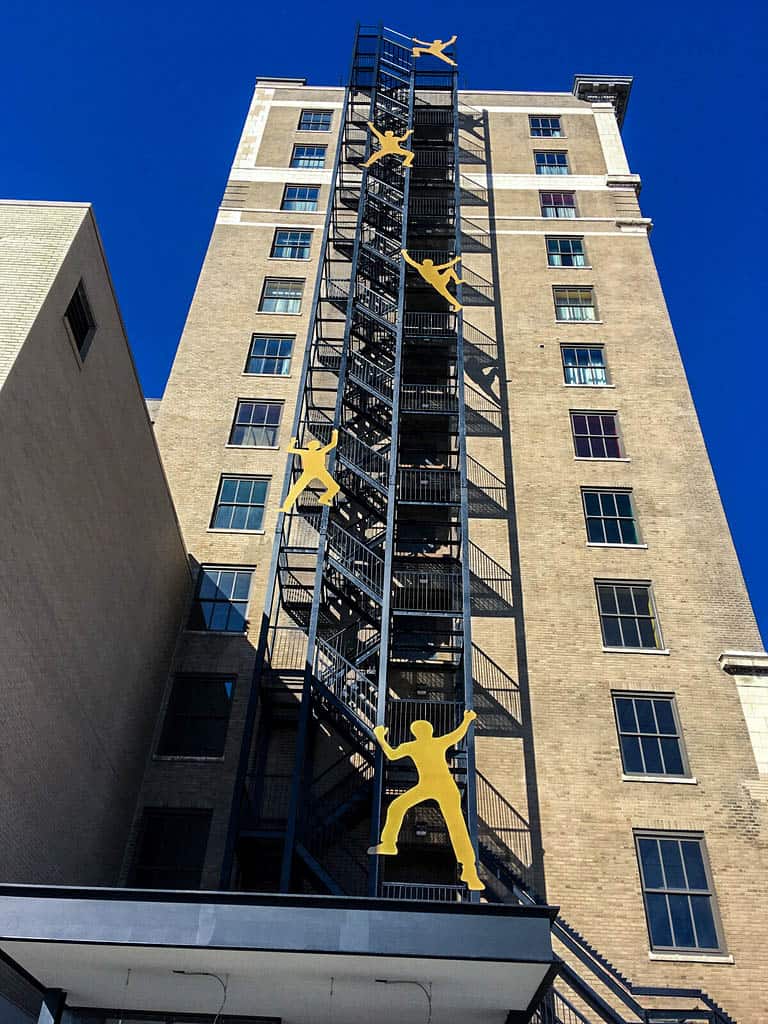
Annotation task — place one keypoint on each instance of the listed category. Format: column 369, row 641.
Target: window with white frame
column 584, row 365
column 610, row 517
column 240, row 503
column 315, row 120
column 628, row 615
column 650, row 738
column 221, row 599
column 551, row 161
column 308, row 156
column 300, row 198
column 574, row 304
column 558, row 204
column 281, row 295
column 256, row 424
column 566, row 252
column 545, row 127
column 291, row 245
column 270, row 355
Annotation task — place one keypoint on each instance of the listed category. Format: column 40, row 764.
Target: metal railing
column 444, row 715
column 426, row 325
column 428, row 893
column 429, row 398
column 429, row 486
column 354, row 556
column 434, row 590
column 371, row 376
column 358, row 455
column 347, row 683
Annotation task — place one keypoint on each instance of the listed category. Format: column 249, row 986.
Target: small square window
column 649, row 735
column 566, row 252
column 596, row 435
column 221, row 599
column 610, row 517
column 584, row 364
column 308, row 156
column 574, row 304
column 79, row 321
column 170, row 852
column 545, row 127
column 256, row 424
column 270, row 355
column 680, row 905
column 300, row 197
column 628, row 615
column 291, row 245
column 197, row 716
column 551, row 161
column 281, row 295
column 315, row 120
column 240, row 503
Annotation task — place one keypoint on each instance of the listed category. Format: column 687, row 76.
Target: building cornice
column 613, row 89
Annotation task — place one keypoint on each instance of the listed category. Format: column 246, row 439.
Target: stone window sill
column 636, row 650
column 587, row 458
column 598, row 544
column 688, row 780
column 693, row 958
column 589, row 385
column 213, row 529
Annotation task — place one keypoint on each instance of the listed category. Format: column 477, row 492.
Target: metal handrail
column 425, row 893
column 356, row 557
column 429, row 486
column 441, row 398
column 428, row 590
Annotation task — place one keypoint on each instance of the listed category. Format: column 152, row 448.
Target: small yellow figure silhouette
column 435, row 782
column 436, row 48
column 438, row 276
column 312, row 468
column 390, row 146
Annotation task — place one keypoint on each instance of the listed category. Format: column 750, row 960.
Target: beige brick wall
column 94, row 570
column 569, row 776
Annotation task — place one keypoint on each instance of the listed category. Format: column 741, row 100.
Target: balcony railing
column 426, row 893
column 441, row 398
column 429, row 486
column 427, row 591
column 444, row 715
column 430, row 325
column 351, row 553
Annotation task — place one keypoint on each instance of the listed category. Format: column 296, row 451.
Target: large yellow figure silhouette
column 312, row 468
column 438, row 276
column 435, row 783
column 436, row 48
column 390, row 146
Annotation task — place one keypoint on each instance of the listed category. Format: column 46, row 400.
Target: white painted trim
column 287, row 175
column 693, row 958
column 543, row 111
column 557, row 183
column 678, row 779
column 601, row 544
column 309, row 104
column 636, row 650
column 248, row 533
column 586, row 458
column 585, row 385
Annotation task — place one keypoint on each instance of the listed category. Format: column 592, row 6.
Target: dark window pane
column 630, row 753
column 625, row 712
column 658, row 920
column 611, row 634
column 607, row 504
column 595, row 531
column 652, row 755
column 592, row 503
column 629, row 632
column 694, row 865
column 673, row 864
column 682, row 922
column 649, row 858
column 664, row 717
column 673, row 762
column 706, row 934
column 628, row 531
column 606, row 598
column 582, row 447
column 624, row 598
column 580, row 424
column 649, row 638
column 624, row 505
column 612, row 534
column 612, row 448
column 645, row 717
column 598, row 448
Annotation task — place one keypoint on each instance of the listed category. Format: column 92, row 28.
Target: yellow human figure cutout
column 438, row 275
column 312, row 468
column 436, row 48
column 390, row 146
column 435, row 782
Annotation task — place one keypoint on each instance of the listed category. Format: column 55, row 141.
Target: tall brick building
column 527, row 526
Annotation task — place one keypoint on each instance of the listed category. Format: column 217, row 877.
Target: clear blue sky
column 138, row 107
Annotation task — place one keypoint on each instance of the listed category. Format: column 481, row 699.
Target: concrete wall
column 94, row 575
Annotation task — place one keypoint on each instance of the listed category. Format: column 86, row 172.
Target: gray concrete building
column 527, row 528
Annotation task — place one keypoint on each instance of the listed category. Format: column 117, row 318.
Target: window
column 240, row 503
column 649, row 735
column 281, row 295
column 269, row 355
column 197, row 716
column 545, row 127
column 171, row 849
column 552, row 161
column 610, row 517
column 678, row 896
column 221, row 599
column 584, row 365
column 79, row 321
column 315, row 120
column 596, row 435
column 292, row 245
column 566, row 252
column 575, row 304
column 308, row 156
column 558, row 204
column 256, row 424
column 300, row 197
column 627, row 615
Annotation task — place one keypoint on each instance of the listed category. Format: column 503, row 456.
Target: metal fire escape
column 368, row 608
